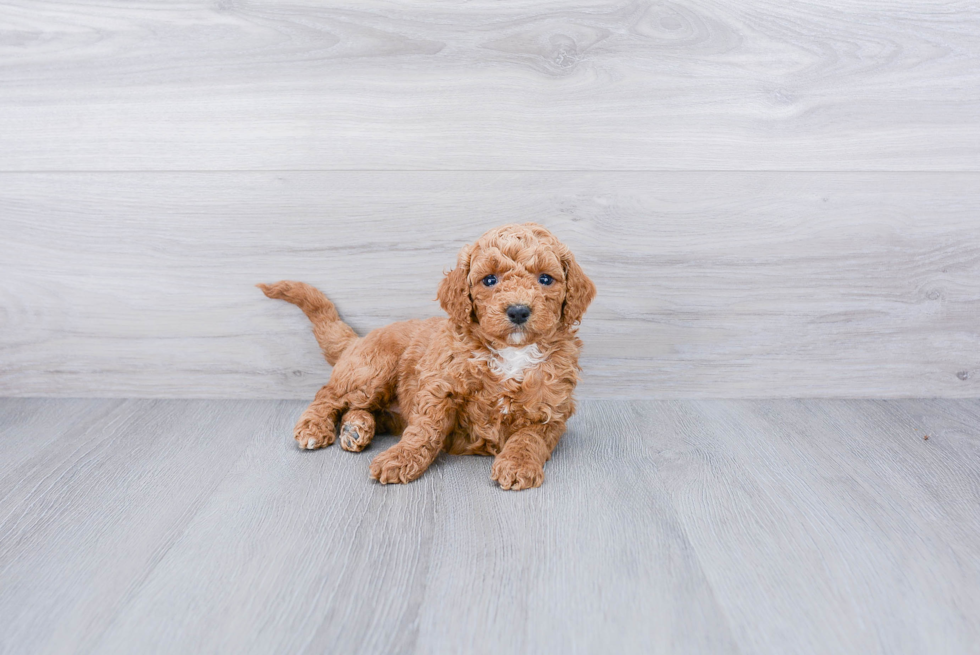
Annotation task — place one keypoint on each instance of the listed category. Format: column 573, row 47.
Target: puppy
column 495, row 378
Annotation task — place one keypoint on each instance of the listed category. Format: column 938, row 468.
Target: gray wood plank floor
column 663, row 527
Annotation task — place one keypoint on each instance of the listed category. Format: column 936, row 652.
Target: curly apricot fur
column 440, row 382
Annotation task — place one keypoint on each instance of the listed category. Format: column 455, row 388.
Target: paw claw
column 311, row 434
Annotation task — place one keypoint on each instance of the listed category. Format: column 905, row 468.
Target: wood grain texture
column 307, row 554
column 593, row 563
column 527, row 84
column 710, row 284
column 810, row 530
column 83, row 521
column 662, row 527
column 29, row 426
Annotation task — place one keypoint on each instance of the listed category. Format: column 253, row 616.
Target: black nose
column 518, row 314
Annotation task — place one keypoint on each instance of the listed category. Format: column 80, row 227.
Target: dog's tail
column 333, row 335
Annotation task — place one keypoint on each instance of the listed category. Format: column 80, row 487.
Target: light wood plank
column 84, row 521
column 529, row 84
column 673, row 526
column 300, row 551
column 710, row 284
column 594, row 561
column 291, row 545
column 808, row 548
column 934, row 482
column 29, row 425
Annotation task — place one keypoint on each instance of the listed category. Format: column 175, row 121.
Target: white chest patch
column 510, row 363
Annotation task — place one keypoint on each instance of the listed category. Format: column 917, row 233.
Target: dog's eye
column 545, row 279
column 489, row 280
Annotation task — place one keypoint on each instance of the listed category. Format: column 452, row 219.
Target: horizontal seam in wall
column 482, row 170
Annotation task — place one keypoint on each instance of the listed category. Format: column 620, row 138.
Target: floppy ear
column 454, row 290
column 579, row 291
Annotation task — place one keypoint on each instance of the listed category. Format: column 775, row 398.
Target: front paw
column 516, row 473
column 313, row 432
column 399, row 464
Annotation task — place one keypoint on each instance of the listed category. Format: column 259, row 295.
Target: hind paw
column 357, row 430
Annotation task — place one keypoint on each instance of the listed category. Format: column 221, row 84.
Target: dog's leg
column 421, row 441
column 369, row 385
column 520, row 463
column 316, row 428
column 357, row 430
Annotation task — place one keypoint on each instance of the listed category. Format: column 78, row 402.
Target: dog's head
column 515, row 285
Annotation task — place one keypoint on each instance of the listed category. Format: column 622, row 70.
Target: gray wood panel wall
column 775, row 199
